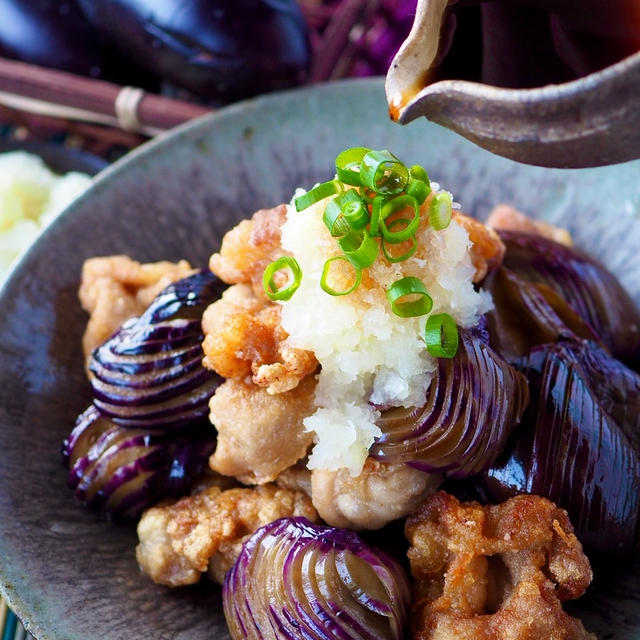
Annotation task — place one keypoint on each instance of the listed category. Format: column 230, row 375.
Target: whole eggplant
column 149, row 373
column 56, row 34
column 123, row 471
column 591, row 291
column 295, row 580
column 579, row 443
column 215, row 48
column 527, row 314
column 473, row 403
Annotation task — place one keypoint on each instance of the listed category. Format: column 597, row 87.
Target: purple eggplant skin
column 528, row 314
column 474, row 401
column 56, row 34
column 123, row 471
column 149, row 374
column 578, row 444
column 590, row 289
column 214, row 48
column 294, row 579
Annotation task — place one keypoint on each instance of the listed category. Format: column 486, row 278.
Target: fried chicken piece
column 507, row 217
column 487, row 250
column 259, row 435
column 496, row 572
column 381, row 493
column 243, row 336
column 205, row 532
column 249, row 247
column 115, row 288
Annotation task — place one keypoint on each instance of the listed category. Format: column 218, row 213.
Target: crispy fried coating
column 249, row 247
column 205, row 532
column 496, row 572
column 115, row 288
column 487, row 250
column 504, row 216
column 243, row 336
column 381, row 493
column 259, row 435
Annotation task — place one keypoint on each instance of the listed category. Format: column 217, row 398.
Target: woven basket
column 348, row 38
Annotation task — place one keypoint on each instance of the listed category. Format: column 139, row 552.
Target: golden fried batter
column 243, row 336
column 382, row 492
column 115, row 288
column 487, row 250
column 509, row 218
column 259, row 435
column 205, row 532
column 495, row 572
column 249, row 247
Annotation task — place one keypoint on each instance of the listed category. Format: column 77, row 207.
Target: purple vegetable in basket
column 294, row 579
column 579, row 444
column 473, row 402
column 122, row 471
column 220, row 50
column 149, row 374
column 56, row 34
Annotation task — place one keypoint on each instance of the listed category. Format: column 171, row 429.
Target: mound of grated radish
column 371, row 359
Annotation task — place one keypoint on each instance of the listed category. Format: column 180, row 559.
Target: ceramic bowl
column 68, row 573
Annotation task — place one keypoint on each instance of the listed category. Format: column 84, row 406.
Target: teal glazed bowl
column 68, row 573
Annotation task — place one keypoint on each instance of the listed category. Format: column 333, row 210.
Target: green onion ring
column 333, row 218
column 319, row 192
column 354, row 209
column 419, row 173
column 376, row 215
column 418, row 189
column 441, row 336
column 405, row 256
column 359, row 248
column 411, row 308
column 269, row 285
column 347, row 162
column 440, row 211
column 397, row 204
column 325, row 276
column 383, row 172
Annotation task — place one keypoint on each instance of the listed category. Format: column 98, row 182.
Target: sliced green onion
column 376, row 215
column 398, row 204
column 319, row 192
column 419, row 173
column 414, row 244
column 325, row 276
column 415, row 306
column 440, row 211
column 269, row 283
column 359, row 248
column 441, row 336
column 418, row 189
column 353, row 208
column 383, row 172
column 334, row 219
column 348, row 165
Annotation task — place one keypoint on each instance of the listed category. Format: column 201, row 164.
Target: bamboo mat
column 10, row 626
